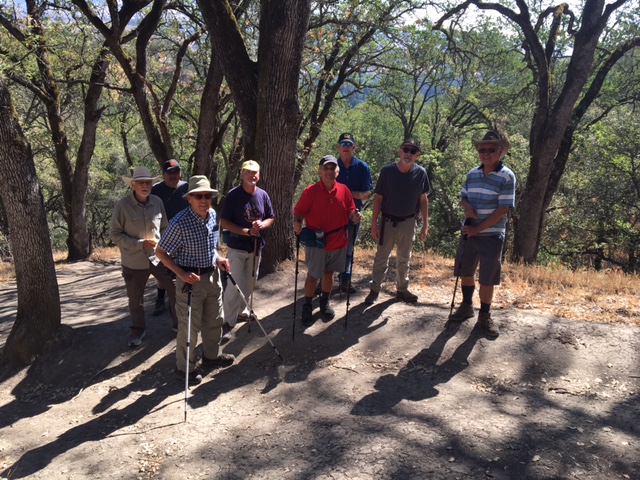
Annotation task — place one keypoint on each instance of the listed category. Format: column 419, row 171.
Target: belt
column 198, row 270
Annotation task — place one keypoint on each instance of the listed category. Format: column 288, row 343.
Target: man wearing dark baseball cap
column 401, row 194
column 355, row 174
column 170, row 190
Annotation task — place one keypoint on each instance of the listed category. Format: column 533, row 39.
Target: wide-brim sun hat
column 140, row 173
column 495, row 138
column 200, row 184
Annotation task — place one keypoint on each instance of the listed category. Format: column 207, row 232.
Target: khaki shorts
column 318, row 260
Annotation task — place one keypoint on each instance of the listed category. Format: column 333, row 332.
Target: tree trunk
column 38, row 315
column 266, row 96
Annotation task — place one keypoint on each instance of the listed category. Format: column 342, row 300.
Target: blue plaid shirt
column 190, row 240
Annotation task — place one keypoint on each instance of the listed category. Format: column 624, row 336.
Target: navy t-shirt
column 171, row 197
column 401, row 191
column 242, row 209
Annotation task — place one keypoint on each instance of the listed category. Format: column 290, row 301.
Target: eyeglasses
column 331, row 166
column 487, row 150
column 200, row 196
column 345, row 144
column 412, row 151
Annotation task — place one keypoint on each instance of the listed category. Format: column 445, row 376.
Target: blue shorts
column 487, row 251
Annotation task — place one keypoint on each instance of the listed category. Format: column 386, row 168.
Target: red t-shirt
column 328, row 210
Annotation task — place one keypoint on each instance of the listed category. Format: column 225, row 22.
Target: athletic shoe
column 226, row 333
column 159, row 308
column 194, row 377
column 222, row 360
column 407, row 296
column 488, row 325
column 307, row 315
column 464, row 311
column 326, row 309
column 346, row 288
column 242, row 317
column 136, row 337
column 372, row 297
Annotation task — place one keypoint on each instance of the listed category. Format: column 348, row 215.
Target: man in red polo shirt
column 326, row 208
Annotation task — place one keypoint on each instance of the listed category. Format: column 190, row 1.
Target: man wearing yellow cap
column 246, row 213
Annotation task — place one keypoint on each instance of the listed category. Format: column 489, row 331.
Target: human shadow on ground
column 301, row 356
column 105, row 425
column 418, row 378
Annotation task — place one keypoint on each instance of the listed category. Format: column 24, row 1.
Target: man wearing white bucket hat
column 189, row 249
column 138, row 221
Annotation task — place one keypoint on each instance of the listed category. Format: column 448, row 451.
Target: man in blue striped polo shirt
column 487, row 195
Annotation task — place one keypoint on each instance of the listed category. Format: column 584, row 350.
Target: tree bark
column 38, row 315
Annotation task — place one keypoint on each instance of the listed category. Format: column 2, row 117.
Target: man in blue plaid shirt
column 188, row 249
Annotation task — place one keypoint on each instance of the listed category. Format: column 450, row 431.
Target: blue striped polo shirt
column 486, row 193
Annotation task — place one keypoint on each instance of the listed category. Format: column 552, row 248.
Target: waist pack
column 312, row 238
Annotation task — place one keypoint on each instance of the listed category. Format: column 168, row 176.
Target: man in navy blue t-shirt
column 246, row 213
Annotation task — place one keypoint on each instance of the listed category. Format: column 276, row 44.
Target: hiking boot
column 136, row 337
column 372, row 297
column 159, row 308
column 222, row 360
column 242, row 317
column 307, row 315
column 326, row 309
column 226, row 333
column 407, row 296
column 347, row 288
column 463, row 312
column 194, row 377
column 488, row 325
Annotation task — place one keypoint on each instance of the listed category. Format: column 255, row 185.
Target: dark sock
column 324, row 296
column 308, row 300
column 467, row 294
column 161, row 293
column 485, row 307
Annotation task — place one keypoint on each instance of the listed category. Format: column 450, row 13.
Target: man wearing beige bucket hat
column 189, row 249
column 487, row 195
column 138, row 221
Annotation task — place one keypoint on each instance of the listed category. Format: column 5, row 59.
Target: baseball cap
column 347, row 137
column 171, row 165
column 328, row 159
column 251, row 165
column 410, row 142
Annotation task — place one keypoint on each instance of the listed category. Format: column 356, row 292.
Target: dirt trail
column 394, row 396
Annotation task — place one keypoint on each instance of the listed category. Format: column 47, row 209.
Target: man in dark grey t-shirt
column 401, row 193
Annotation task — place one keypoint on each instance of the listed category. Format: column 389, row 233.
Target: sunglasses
column 412, row 151
column 345, row 144
column 487, row 150
column 200, row 196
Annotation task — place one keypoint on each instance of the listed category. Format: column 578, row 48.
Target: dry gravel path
column 395, row 396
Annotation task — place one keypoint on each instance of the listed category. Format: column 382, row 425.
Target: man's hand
column 424, row 231
column 223, row 264
column 470, row 231
column 355, row 217
column 375, row 231
column 297, row 227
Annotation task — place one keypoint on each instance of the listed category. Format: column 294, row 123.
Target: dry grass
column 610, row 296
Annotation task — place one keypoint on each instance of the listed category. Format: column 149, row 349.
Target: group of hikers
column 169, row 230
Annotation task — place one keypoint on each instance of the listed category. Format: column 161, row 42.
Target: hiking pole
column 251, row 314
column 295, row 289
column 455, row 287
column 186, row 370
column 353, row 254
column 253, row 278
